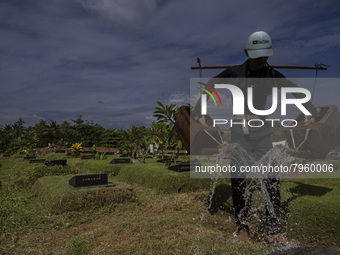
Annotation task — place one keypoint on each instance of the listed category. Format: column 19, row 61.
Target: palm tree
column 167, row 115
column 53, row 131
column 134, row 139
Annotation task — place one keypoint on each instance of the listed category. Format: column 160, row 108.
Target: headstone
column 120, row 161
column 87, row 180
column 165, row 160
column 87, row 157
column 38, row 160
column 30, row 157
column 184, row 167
column 53, row 162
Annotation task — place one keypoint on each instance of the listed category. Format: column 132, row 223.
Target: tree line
column 136, row 140
column 17, row 136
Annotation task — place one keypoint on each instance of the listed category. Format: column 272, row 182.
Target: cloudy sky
column 112, row 60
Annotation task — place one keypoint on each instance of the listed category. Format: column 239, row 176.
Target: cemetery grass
column 163, row 218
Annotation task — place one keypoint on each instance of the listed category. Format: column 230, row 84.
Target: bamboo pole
column 273, row 66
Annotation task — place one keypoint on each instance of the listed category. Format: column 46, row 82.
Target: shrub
column 77, row 148
column 100, row 156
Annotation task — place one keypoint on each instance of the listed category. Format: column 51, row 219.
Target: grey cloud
column 61, row 58
column 120, row 12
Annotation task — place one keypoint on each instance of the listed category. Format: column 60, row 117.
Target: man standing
column 256, row 140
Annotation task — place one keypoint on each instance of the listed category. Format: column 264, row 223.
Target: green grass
column 151, row 211
column 157, row 176
column 79, row 246
column 315, row 208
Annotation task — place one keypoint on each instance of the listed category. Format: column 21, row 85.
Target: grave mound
column 55, row 193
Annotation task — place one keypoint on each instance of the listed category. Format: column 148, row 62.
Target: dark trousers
column 256, row 147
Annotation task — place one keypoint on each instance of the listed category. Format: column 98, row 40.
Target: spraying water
column 256, row 181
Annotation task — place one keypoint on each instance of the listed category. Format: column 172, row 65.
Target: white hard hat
column 259, row 45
